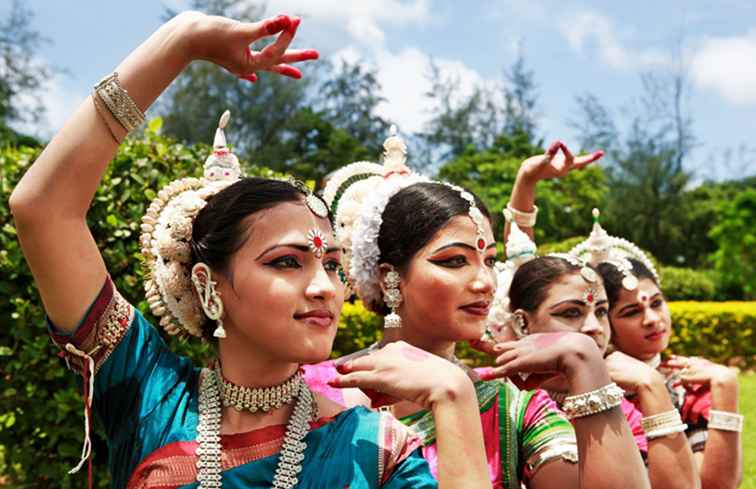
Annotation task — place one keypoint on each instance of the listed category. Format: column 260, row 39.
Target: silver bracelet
column 523, row 219
column 666, row 431
column 726, row 421
column 119, row 102
column 661, row 420
column 593, row 402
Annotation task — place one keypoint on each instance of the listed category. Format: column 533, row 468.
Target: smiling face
column 448, row 285
column 572, row 305
column 281, row 300
column 641, row 321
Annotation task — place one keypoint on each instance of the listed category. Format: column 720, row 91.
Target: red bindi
column 481, row 244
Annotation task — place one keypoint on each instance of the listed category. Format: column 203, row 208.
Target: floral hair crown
column 600, row 248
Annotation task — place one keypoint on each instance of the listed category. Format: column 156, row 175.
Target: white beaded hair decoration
column 167, row 232
column 600, row 247
column 520, row 249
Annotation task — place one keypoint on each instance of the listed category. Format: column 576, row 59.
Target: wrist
column 584, row 368
column 724, row 392
column 653, row 396
column 458, row 389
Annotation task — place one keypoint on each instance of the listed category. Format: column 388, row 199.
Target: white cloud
column 402, row 76
column 589, row 30
column 727, row 65
column 362, row 19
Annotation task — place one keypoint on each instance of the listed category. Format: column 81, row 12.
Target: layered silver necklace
column 211, row 398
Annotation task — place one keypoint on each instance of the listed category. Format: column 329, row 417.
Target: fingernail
column 250, row 78
column 278, row 24
column 553, row 148
column 485, row 374
column 335, row 382
column 343, row 368
column 498, row 348
column 295, row 23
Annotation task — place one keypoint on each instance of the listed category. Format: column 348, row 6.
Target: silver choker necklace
column 209, row 465
column 255, row 399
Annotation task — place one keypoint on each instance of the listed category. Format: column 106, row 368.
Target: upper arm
column 67, row 267
column 558, row 472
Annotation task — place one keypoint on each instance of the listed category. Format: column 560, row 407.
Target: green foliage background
column 40, row 404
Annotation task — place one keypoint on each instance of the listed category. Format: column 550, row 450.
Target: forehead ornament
column 317, row 242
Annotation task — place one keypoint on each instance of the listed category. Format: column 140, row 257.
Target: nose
column 591, row 326
column 321, row 287
column 484, row 281
column 650, row 317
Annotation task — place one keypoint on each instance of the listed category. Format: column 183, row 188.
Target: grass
column 747, row 396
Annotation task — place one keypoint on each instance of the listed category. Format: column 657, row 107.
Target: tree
column 349, row 98
column 520, row 97
column 21, row 74
column 735, row 235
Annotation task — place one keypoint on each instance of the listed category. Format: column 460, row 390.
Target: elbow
column 21, row 205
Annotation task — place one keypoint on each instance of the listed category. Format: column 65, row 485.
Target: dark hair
column 219, row 229
column 613, row 278
column 414, row 215
column 532, row 280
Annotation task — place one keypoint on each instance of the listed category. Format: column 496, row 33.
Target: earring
column 393, row 298
column 209, row 297
column 518, row 325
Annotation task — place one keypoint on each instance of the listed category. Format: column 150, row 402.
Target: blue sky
column 573, row 46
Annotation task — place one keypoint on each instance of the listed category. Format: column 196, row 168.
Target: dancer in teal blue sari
column 249, row 264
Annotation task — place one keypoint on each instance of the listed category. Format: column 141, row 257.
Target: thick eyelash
column 280, row 262
column 449, row 262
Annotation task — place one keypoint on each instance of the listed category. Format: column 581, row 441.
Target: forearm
column 459, row 441
column 62, row 181
column 670, row 460
column 604, row 438
column 722, row 465
column 522, row 199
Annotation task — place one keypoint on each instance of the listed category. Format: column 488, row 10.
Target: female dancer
column 251, row 263
column 629, row 281
column 422, row 254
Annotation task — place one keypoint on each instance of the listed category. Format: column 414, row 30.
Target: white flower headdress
column 166, row 236
column 600, row 248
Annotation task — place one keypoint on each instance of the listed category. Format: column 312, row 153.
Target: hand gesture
column 700, row 371
column 630, row 373
column 226, row 42
column 538, row 357
column 557, row 162
column 400, row 371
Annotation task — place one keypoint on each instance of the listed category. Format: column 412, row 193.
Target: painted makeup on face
column 641, row 321
column 573, row 305
column 448, row 285
column 281, row 297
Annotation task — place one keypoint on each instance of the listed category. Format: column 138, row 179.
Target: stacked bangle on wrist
column 119, row 102
column 663, row 424
column 593, row 402
column 523, row 219
column 726, row 421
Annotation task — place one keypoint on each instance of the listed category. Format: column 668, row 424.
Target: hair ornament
column 600, row 247
column 166, row 236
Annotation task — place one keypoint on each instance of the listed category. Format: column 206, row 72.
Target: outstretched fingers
column 583, row 161
column 277, row 49
column 255, row 31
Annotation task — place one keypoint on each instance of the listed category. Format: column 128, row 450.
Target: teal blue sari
column 146, row 397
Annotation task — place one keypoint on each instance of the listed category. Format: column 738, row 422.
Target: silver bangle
column 661, row 420
column 119, row 102
column 666, row 431
column 593, row 402
column 726, row 421
column 523, row 219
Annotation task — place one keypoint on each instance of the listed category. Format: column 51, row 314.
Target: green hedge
column 40, row 405
column 723, row 332
column 686, row 284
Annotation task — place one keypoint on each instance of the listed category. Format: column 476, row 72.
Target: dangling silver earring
column 393, row 298
column 209, row 297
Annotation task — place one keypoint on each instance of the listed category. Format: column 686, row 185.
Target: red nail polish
column 553, row 148
column 342, row 368
column 335, row 382
column 250, row 78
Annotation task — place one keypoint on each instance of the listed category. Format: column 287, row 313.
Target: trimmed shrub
column 723, row 332
column 686, row 284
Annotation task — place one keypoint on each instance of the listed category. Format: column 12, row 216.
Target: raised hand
column 226, row 42
column 556, row 162
column 402, row 371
